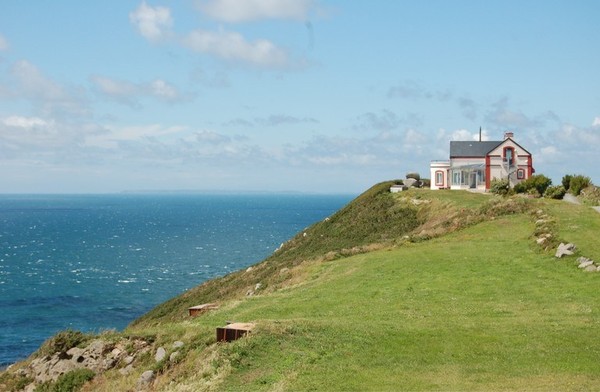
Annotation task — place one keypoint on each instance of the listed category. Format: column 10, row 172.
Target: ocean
column 96, row 262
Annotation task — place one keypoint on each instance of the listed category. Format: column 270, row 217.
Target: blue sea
column 96, row 262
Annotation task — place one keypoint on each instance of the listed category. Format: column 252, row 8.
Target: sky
column 288, row 95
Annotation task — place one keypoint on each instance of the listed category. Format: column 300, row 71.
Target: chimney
column 508, row 135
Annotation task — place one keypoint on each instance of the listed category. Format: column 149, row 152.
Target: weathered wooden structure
column 199, row 309
column 233, row 331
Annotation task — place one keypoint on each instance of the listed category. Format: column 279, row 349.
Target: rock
column 585, row 264
column 541, row 240
column 540, row 222
column 126, row 370
column 591, row 268
column 564, row 250
column 145, row 379
column 161, row 353
column 284, row 271
column 249, row 269
column 257, row 286
column 128, row 359
column 173, row 356
column 178, row 344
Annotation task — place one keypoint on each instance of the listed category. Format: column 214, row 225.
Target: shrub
column 555, row 192
column 68, row 382
column 415, row 176
column 566, row 181
column 591, row 195
column 425, row 182
column 499, row 186
column 578, row 183
column 520, row 188
column 63, row 341
column 533, row 192
column 539, row 182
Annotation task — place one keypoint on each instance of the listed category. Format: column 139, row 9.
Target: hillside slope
column 420, row 290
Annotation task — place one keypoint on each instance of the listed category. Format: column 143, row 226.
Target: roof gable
column 472, row 148
column 509, row 140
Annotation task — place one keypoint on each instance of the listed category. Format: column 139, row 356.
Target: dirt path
column 571, row 199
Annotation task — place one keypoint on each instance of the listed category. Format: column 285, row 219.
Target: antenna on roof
column 479, row 133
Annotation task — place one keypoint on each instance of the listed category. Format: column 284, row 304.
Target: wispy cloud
column 129, row 93
column 48, row 97
column 235, row 11
column 234, row 47
column 3, row 43
column 153, row 23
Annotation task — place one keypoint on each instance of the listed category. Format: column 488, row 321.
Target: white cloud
column 113, row 87
column 466, row 135
column 153, row 23
column 249, row 10
column 24, row 122
column 127, row 92
column 596, row 122
column 3, row 43
column 163, row 90
column 232, row 46
column 47, row 96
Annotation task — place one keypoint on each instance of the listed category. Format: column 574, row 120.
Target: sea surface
column 96, row 262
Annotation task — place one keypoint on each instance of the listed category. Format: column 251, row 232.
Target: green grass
column 578, row 224
column 438, row 315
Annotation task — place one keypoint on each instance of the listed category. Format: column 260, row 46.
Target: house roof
column 472, row 148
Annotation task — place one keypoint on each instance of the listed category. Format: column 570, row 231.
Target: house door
column 473, row 181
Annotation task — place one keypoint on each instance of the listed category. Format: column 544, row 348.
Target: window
column 439, row 178
column 509, row 155
column 520, row 174
column 456, row 177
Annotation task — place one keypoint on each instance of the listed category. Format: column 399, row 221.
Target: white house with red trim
column 474, row 164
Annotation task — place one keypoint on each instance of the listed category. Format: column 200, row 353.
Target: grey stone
column 126, row 370
column 128, row 359
column 178, row 344
column 161, row 353
column 564, row 250
column 145, row 379
column 585, row 264
column 591, row 268
column 173, row 356
column 541, row 240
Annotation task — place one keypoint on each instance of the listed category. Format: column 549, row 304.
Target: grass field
column 459, row 298
column 476, row 310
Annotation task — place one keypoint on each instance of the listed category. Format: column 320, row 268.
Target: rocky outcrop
column 99, row 356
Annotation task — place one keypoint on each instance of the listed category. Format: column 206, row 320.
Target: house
column 474, row 164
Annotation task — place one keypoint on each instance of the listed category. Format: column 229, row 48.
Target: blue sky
column 279, row 95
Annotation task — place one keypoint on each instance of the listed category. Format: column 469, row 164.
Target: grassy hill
column 421, row 290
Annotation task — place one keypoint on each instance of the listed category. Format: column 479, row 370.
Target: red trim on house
column 436, row 178
column 488, row 172
column 520, row 174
